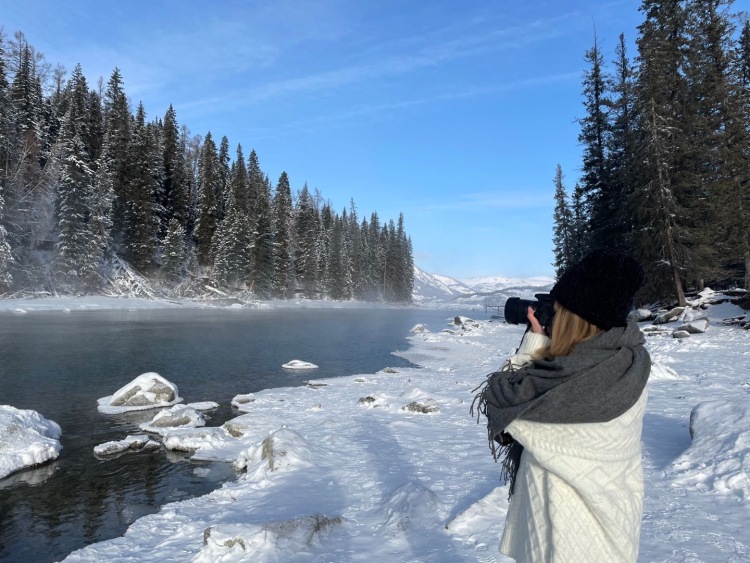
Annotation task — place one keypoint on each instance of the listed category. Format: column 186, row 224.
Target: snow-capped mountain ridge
column 487, row 290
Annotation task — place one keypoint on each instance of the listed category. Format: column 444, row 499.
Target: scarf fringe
column 502, row 444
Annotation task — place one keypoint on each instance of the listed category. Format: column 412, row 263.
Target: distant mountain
column 440, row 289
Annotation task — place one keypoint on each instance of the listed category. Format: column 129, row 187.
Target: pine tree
column 659, row 240
column 173, row 252
column 284, row 282
column 117, row 124
column 598, row 201
column 141, row 218
column 708, row 118
column 175, row 184
column 564, row 234
column 6, row 257
column 207, row 212
column 77, row 250
column 621, row 150
column 740, row 155
column 222, row 196
column 306, row 235
column 263, row 266
column 233, row 244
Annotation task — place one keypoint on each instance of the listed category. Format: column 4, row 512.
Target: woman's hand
column 536, row 328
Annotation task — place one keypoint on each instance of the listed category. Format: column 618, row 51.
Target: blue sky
column 455, row 113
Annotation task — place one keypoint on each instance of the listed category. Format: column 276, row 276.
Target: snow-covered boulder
column 640, row 315
column 719, row 457
column 190, row 439
column 240, row 401
column 669, row 315
column 411, row 507
column 282, row 450
column 299, row 364
column 696, row 326
column 680, row 334
column 272, row 541
column 147, row 391
column 419, row 328
column 137, row 443
column 428, row 406
column 26, row 439
column 178, row 416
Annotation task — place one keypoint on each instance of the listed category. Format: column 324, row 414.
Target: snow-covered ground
column 391, row 467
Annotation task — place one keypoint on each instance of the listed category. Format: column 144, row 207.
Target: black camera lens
column 516, row 309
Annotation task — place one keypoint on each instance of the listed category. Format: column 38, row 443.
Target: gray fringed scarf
column 600, row 380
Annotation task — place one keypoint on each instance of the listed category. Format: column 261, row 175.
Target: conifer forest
column 94, row 192
column 665, row 136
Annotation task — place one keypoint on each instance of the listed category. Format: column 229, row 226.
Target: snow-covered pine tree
column 222, row 196
column 659, row 240
column 335, row 265
column 263, row 269
column 77, row 253
column 209, row 181
column 175, row 182
column 117, row 124
column 233, row 244
column 306, row 236
column 173, row 252
column 740, row 156
column 141, row 218
column 284, row 282
column 6, row 257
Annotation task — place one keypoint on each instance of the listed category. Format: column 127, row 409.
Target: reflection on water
column 60, row 364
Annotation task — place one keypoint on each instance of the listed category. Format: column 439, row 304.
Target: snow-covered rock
column 409, row 508
column 26, row 439
column 640, row 315
column 680, row 334
column 240, row 401
column 147, row 391
column 178, row 416
column 271, row 541
column 719, row 456
column 282, row 450
column 698, row 325
column 669, row 315
column 139, row 442
column 299, row 364
column 203, row 405
column 189, row 439
column 419, row 328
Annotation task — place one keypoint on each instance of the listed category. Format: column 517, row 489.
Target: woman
column 568, row 412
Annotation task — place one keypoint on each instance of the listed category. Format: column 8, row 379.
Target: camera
column 544, row 309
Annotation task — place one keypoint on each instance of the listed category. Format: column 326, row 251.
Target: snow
column 343, row 470
column 298, row 364
column 147, row 391
column 140, row 442
column 179, row 416
column 26, row 439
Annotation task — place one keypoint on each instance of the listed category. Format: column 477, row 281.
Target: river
column 60, row 363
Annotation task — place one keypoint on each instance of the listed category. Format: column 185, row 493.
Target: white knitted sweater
column 579, row 488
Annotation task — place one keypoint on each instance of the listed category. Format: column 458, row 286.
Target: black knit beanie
column 600, row 288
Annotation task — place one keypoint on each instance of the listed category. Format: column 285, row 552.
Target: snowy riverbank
column 377, row 465
column 391, row 466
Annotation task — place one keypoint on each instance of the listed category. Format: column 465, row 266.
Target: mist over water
column 60, row 363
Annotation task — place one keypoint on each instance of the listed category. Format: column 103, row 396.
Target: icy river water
column 60, row 363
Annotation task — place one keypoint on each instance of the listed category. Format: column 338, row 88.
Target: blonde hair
column 568, row 330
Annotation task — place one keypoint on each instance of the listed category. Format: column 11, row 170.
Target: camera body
column 544, row 309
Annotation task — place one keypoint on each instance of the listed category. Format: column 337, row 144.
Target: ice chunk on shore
column 147, row 391
column 179, row 416
column 299, row 364
column 139, row 442
column 26, row 439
